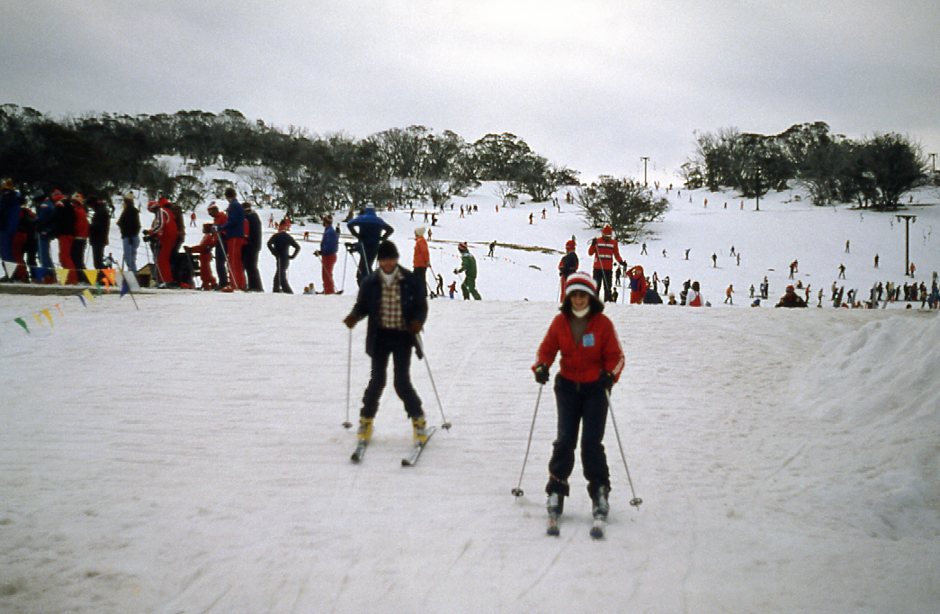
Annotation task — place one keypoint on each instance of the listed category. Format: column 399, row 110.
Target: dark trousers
column 250, row 262
column 280, row 276
column 585, row 406
column 421, row 273
column 220, row 264
column 396, row 344
column 603, row 277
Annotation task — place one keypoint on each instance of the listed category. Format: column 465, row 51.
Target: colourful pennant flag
column 87, row 294
column 91, row 275
column 22, row 323
column 108, row 277
column 48, row 315
column 38, row 317
column 59, row 309
column 62, row 275
column 82, row 299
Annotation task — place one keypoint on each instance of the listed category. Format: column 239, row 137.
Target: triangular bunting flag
column 91, row 275
column 82, row 299
column 62, row 275
column 38, row 317
column 124, row 287
column 22, row 323
column 48, row 315
column 59, row 309
column 108, row 277
column 6, row 273
column 87, row 294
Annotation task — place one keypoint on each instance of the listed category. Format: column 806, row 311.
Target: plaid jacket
column 414, row 305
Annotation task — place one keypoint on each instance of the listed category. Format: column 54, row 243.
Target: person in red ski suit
column 605, row 252
column 591, row 363
column 204, row 251
column 165, row 230
column 638, row 285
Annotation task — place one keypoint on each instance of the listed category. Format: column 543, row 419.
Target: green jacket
column 468, row 264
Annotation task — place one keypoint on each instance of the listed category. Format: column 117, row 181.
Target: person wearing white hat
column 591, row 362
column 422, row 259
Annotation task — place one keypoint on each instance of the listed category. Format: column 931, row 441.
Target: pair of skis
column 409, row 460
column 598, row 527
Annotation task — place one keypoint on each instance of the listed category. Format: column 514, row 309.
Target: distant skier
column 329, row 246
column 284, row 249
column 790, row 299
column 605, row 251
column 568, row 264
column 468, row 266
column 370, row 230
column 421, row 259
column 591, row 363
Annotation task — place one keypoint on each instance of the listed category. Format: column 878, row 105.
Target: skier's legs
column 593, row 455
column 561, row 463
column 370, row 399
column 401, row 357
column 282, row 267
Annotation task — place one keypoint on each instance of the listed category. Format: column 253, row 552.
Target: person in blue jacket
column 329, row 245
column 234, row 232
column 370, row 230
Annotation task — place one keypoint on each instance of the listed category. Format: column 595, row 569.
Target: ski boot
column 600, row 505
column 420, row 426
column 365, row 429
column 555, row 505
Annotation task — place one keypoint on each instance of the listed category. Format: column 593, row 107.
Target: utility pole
column 757, row 204
column 645, row 160
column 933, row 162
column 908, row 218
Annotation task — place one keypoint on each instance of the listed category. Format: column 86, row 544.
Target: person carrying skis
column 329, row 246
column 370, row 230
column 468, row 266
column 605, row 251
column 591, row 362
column 284, row 248
column 396, row 308
column 568, row 264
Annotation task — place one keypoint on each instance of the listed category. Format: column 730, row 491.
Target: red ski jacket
column 583, row 360
column 605, row 251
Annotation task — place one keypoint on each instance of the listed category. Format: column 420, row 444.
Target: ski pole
column 348, row 424
column 228, row 265
column 444, row 424
column 635, row 501
column 517, row 491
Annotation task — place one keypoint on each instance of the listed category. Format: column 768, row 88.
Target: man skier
column 605, row 251
column 468, row 266
column 396, row 308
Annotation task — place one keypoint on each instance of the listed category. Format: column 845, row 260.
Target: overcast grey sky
column 591, row 84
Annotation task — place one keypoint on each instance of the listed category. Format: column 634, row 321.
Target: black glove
column 606, row 380
column 541, row 373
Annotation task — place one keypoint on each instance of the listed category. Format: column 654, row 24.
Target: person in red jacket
column 591, row 362
column 638, row 285
column 80, row 240
column 422, row 259
column 165, row 230
column 204, row 251
column 605, row 252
